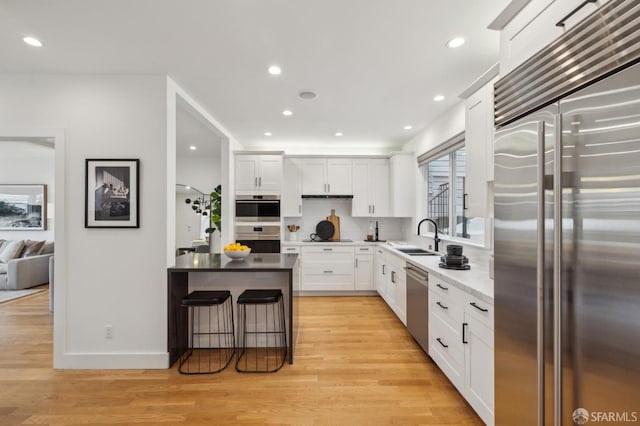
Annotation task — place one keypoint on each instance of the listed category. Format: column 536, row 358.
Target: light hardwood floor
column 355, row 364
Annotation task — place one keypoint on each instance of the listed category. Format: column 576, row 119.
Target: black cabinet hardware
column 464, row 336
column 442, row 287
column 478, row 307
column 443, row 345
column 442, row 306
column 561, row 22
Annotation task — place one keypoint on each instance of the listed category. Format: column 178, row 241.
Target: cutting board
column 336, row 224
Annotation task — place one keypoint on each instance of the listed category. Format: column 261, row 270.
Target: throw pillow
column 32, row 248
column 11, row 250
column 47, row 248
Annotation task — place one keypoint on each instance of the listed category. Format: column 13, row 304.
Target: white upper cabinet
column 479, row 150
column 258, row 173
column 292, row 188
column 370, row 187
column 534, row 27
column 402, row 186
column 327, row 176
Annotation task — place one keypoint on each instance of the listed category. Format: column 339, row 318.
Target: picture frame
column 23, row 207
column 112, row 193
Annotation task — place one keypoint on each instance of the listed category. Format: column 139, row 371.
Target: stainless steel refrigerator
column 567, row 235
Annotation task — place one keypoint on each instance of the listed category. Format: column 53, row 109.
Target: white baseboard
column 112, row 361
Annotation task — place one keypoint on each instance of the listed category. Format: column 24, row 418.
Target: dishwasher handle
column 417, row 274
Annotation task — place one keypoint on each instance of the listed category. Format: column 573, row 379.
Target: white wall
column 114, row 276
column 176, row 94
column 203, row 173
column 26, row 162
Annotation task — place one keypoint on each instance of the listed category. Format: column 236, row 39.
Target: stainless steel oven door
column 258, row 232
column 261, row 238
column 257, row 208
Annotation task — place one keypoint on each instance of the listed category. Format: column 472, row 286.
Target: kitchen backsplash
column 352, row 228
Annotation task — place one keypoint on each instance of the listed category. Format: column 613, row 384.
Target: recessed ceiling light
column 455, row 42
column 193, row 147
column 32, row 41
column 307, row 95
column 187, row 187
column 339, row 134
column 438, row 98
column 267, row 133
column 287, row 112
column 408, row 127
column 275, row 70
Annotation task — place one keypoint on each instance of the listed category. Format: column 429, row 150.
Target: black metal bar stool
column 211, row 340
column 262, row 332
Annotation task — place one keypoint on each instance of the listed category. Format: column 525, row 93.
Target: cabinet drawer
column 327, row 282
column 289, row 249
column 325, row 249
column 328, row 268
column 446, row 307
column 480, row 310
column 327, row 258
column 364, row 250
column 443, row 288
column 445, row 347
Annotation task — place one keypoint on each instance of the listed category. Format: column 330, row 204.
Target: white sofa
column 23, row 272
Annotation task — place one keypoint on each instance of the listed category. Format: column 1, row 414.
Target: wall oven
column 258, row 208
column 261, row 238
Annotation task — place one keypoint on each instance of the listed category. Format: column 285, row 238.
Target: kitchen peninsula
column 204, row 271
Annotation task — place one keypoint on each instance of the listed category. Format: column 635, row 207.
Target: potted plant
column 215, row 215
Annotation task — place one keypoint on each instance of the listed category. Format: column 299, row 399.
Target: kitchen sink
column 417, row 252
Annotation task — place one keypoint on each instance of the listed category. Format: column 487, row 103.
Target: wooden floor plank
column 355, row 364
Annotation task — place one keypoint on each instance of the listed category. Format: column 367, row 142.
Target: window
column 445, row 186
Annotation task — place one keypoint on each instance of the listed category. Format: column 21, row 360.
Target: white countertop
column 475, row 280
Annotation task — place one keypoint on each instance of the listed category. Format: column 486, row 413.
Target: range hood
column 326, row 196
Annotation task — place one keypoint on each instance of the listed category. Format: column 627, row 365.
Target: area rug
column 7, row 295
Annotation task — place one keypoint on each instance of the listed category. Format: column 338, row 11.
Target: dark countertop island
column 219, row 262
column 204, row 271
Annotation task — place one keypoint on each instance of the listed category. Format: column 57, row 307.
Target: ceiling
column 191, row 130
column 375, row 64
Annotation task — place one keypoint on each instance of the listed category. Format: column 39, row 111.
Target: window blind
column 448, row 146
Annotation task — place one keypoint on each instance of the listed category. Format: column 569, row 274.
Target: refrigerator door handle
column 540, row 272
column 557, row 273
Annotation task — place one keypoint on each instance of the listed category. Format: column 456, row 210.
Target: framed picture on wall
column 23, row 207
column 112, row 193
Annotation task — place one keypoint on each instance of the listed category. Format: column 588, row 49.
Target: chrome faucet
column 436, row 240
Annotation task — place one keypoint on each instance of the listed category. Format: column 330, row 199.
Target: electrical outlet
column 430, row 247
column 108, row 331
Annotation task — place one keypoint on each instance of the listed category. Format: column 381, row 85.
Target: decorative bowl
column 236, row 255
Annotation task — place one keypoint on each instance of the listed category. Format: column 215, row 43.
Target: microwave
column 257, row 208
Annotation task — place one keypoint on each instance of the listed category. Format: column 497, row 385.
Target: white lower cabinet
column 478, row 354
column 391, row 282
column 327, row 268
column 364, row 268
column 461, row 343
column 379, row 273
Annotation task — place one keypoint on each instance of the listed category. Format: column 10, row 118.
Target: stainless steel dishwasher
column 418, row 304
